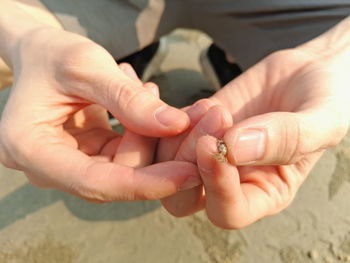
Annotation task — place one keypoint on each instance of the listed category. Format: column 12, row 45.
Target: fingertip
column 152, row 87
column 128, row 70
column 225, row 115
column 197, row 110
column 143, row 113
column 172, row 119
column 135, row 150
column 168, row 147
column 164, row 179
column 215, row 122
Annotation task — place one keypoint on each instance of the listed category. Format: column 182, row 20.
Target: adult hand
column 288, row 109
column 53, row 130
column 206, row 119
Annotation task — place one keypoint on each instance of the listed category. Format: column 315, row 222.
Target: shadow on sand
column 29, row 199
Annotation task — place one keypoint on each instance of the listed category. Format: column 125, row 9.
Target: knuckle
column 94, row 201
column 176, row 213
column 5, row 157
column 36, row 182
column 129, row 97
column 9, row 163
column 205, row 103
column 290, row 148
column 93, row 195
column 145, row 196
column 103, row 185
column 174, row 208
column 14, row 147
column 87, row 193
column 228, row 224
column 183, row 155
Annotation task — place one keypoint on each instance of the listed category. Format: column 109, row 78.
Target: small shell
column 222, row 151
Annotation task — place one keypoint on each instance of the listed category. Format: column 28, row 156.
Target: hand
column 288, row 109
column 206, row 119
column 53, row 129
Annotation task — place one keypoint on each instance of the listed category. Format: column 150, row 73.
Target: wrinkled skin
column 55, row 127
column 298, row 101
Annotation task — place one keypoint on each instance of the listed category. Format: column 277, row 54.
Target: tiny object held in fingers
column 222, row 151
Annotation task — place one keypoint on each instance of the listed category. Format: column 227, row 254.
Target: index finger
column 229, row 203
column 72, row 171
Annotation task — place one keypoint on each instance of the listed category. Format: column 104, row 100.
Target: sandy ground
column 49, row 226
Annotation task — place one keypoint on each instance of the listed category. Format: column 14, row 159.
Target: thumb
column 140, row 111
column 133, row 105
column 283, row 137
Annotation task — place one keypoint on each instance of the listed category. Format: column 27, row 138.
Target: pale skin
column 55, row 129
column 296, row 101
column 293, row 105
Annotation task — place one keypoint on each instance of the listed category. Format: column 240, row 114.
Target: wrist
column 28, row 19
column 333, row 45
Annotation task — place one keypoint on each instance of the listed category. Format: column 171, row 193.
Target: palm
column 64, row 141
column 284, row 83
column 278, row 85
column 283, row 87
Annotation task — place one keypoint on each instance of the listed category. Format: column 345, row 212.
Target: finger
column 152, row 87
column 92, row 116
column 59, row 166
column 226, row 205
column 230, row 202
column 109, row 149
column 129, row 71
column 135, row 150
column 92, row 142
column 168, row 147
column 215, row 122
column 283, row 137
column 237, row 197
column 243, row 96
column 127, row 99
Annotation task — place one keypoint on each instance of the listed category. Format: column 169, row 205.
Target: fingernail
column 190, row 183
column 168, row 116
column 250, row 146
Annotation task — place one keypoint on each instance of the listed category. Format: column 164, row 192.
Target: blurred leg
column 250, row 30
column 121, row 26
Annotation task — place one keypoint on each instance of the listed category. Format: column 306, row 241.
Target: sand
column 49, row 226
